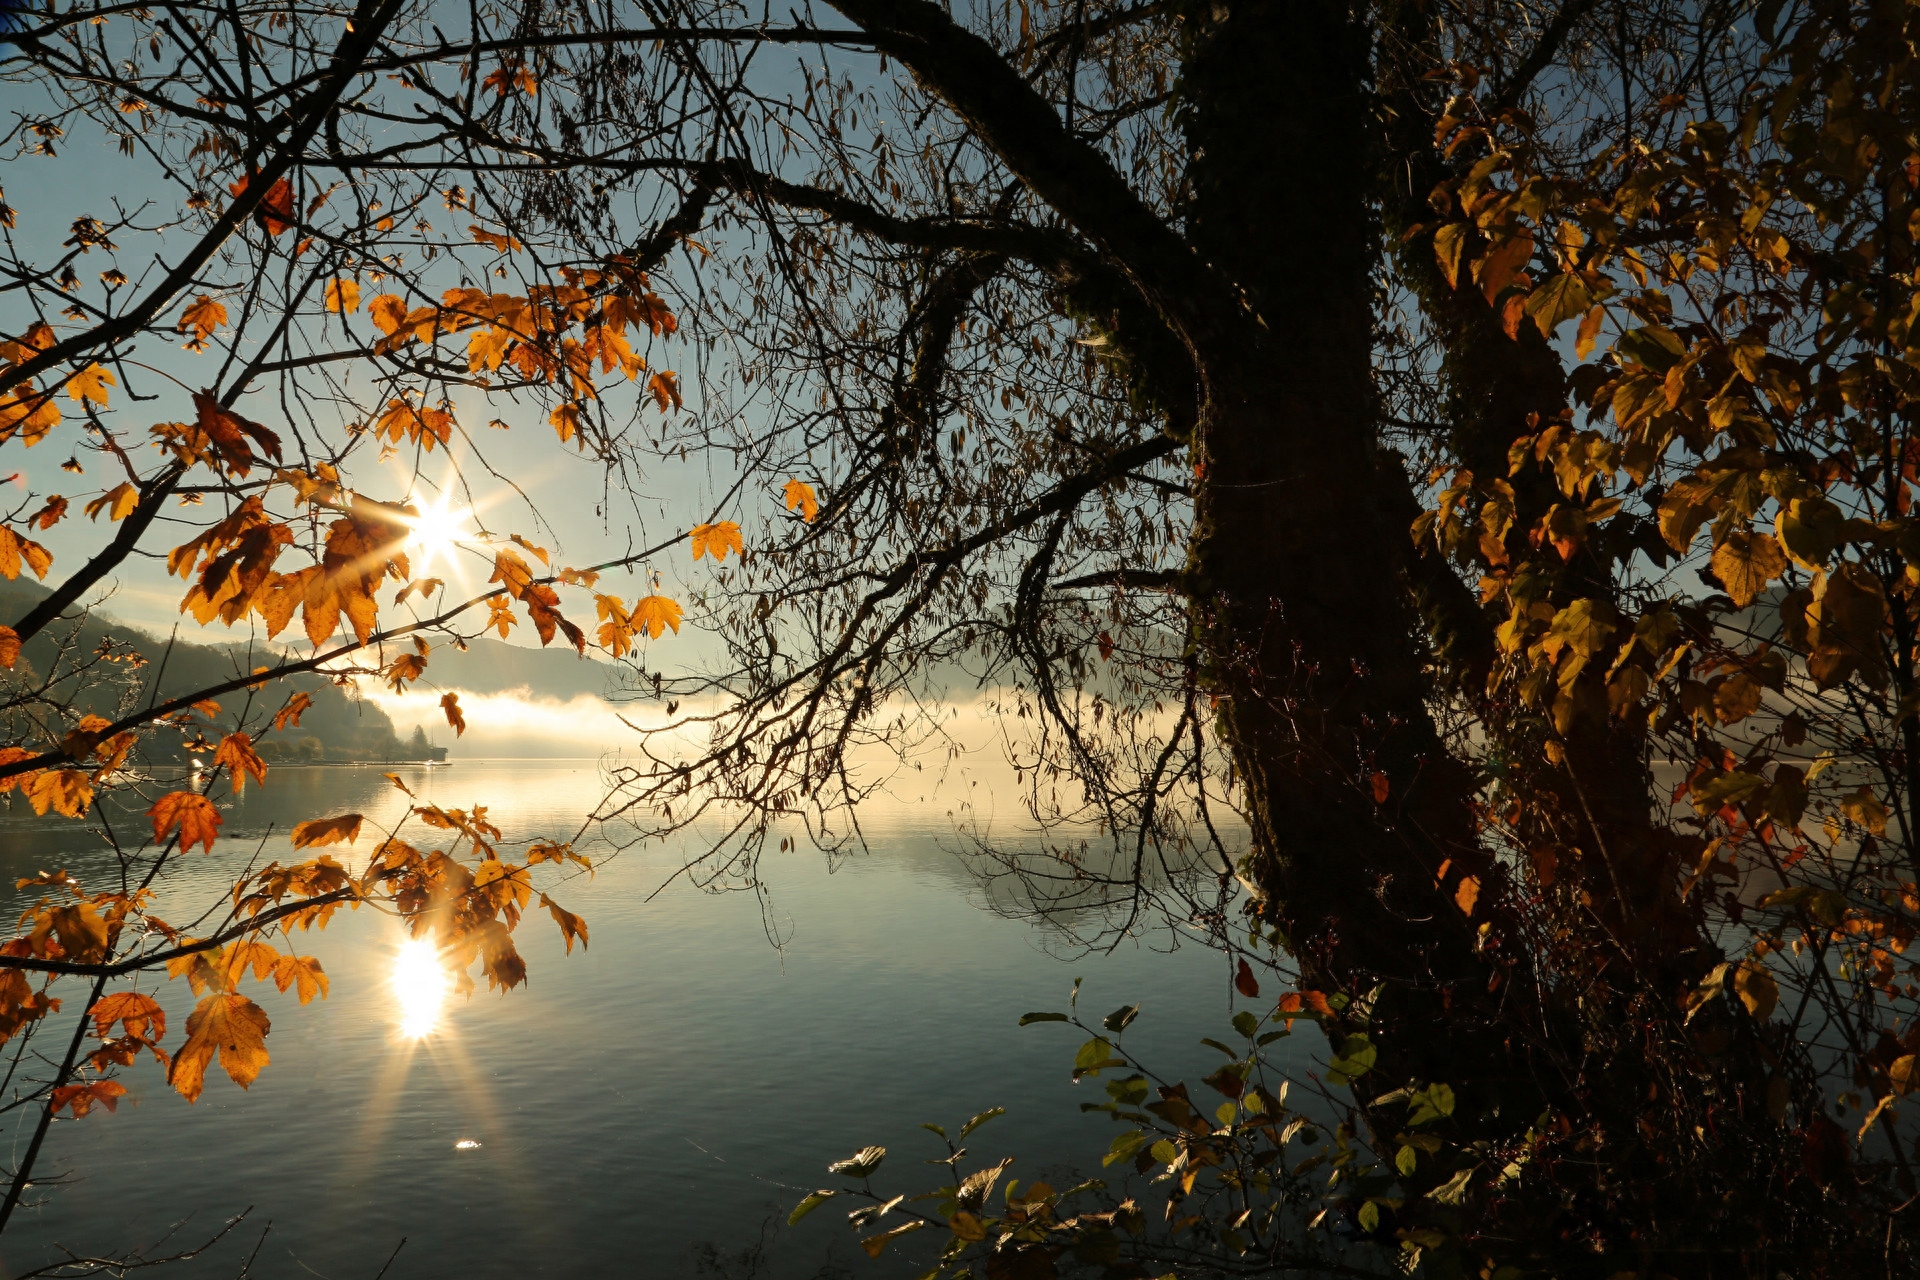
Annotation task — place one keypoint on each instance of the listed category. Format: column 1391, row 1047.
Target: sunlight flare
column 437, row 531
column 421, row 985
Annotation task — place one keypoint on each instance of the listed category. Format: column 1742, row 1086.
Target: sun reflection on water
column 420, row 987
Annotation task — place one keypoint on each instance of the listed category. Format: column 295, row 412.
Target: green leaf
column 1124, row 1147
column 981, row 1119
column 808, row 1205
column 1407, row 1161
column 1224, row 1113
column 1215, row 1044
column 1353, row 1059
column 1098, row 1049
column 1246, row 1023
column 1164, row 1151
column 1131, row 1091
column 1117, row 1021
column 1271, row 1036
column 1026, row 1018
column 930, row 1127
column 1369, row 1216
column 1558, row 301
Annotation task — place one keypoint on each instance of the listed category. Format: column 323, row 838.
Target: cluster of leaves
column 1250, row 1185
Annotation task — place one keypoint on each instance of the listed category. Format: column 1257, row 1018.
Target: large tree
column 1202, row 380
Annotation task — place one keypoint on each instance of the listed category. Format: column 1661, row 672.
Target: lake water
column 657, row 1103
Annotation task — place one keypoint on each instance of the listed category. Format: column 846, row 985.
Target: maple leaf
column 91, row 384
column 566, row 421
column 389, row 312
column 234, row 1027
column 654, row 614
column 192, row 813
column 665, row 388
column 343, row 295
column 229, row 432
column 50, row 513
column 450, row 703
column 511, row 75
column 118, row 502
column 13, row 755
column 81, row 1097
column 275, row 211
column 204, row 315
column 237, row 754
column 303, row 971
column 29, row 412
column 571, row 925
column 799, row 493
column 138, row 1015
column 67, row 792
column 9, row 646
column 493, row 239
column 15, row 550
column 289, row 715
column 321, row 831
column 716, row 538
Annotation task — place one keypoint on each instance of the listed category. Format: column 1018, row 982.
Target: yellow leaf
column 389, row 312
column 800, row 494
column 717, row 538
column 66, row 791
column 1468, row 894
column 1746, row 562
column 343, row 295
column 654, row 614
column 302, row 970
column 566, row 421
column 1757, row 989
column 234, row 1027
column 118, row 502
column 15, row 550
column 91, row 383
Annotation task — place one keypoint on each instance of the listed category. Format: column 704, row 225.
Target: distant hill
column 338, row 726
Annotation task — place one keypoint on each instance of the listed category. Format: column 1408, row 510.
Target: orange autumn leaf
column 664, row 386
column 654, row 614
column 450, row 703
column 389, row 312
column 234, row 1027
column 237, row 754
column 717, row 538
column 289, row 715
column 275, row 210
column 493, row 239
column 14, row 755
column 303, row 972
column 1380, row 788
column 204, row 315
column 1467, row 894
column 320, row 831
column 9, row 646
column 50, row 512
column 799, row 493
column 67, row 792
column 137, row 1015
column 1244, row 982
column 571, row 926
column 81, row 1097
column 192, row 813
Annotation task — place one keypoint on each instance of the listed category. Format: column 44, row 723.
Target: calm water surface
column 658, row 1102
